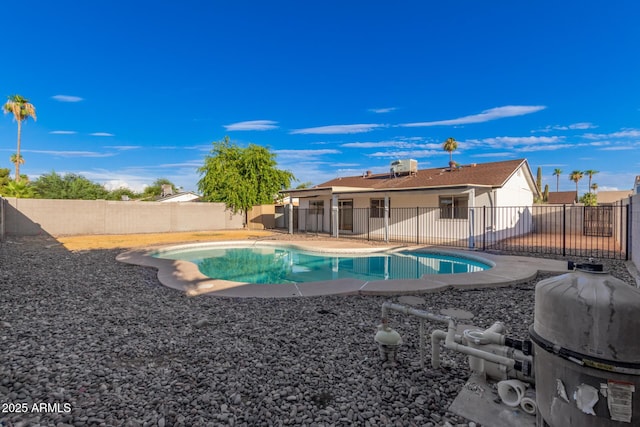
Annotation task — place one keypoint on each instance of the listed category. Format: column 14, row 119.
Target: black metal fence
column 563, row 230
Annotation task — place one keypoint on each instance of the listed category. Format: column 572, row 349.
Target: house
column 562, row 197
column 603, row 197
column 636, row 185
column 187, row 196
column 611, row 197
column 360, row 204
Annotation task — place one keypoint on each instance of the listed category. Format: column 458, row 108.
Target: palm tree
column 450, row 145
column 15, row 158
column 21, row 109
column 590, row 174
column 594, row 187
column 576, row 176
column 19, row 189
column 557, row 172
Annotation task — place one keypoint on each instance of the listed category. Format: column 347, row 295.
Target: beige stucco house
column 413, row 200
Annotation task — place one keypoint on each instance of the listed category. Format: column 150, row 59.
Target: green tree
column 545, row 195
column 155, row 189
column 589, row 199
column 590, row 173
column 19, row 189
column 21, row 109
column 594, row 187
column 241, row 177
column 557, row 172
column 16, row 158
column 450, row 145
column 119, row 193
column 576, row 176
column 69, row 186
column 4, row 178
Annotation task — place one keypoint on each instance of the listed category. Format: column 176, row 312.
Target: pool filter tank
column 586, row 336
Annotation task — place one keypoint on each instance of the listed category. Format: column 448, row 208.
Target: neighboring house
column 611, row 197
column 561, row 197
column 187, row 196
column 636, row 185
column 458, row 196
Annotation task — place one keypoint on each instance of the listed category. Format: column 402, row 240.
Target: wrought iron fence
column 563, row 230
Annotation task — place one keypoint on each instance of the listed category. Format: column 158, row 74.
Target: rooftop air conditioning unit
column 405, row 166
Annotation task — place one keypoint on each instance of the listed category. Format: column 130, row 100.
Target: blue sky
column 127, row 92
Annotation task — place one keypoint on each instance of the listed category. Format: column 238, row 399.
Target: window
column 316, row 207
column 454, row 207
column 377, row 208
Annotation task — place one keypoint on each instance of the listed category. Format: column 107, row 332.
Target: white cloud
column 574, row 126
column 124, row 147
column 344, row 165
column 101, row 134
column 252, row 125
column 485, row 116
column 581, row 126
column 503, row 154
column 550, row 147
column 625, row 133
column 67, row 98
column 338, row 129
column 62, row 153
column 303, row 154
column 63, row 132
column 408, row 154
column 113, row 180
column 513, row 141
column 382, row 110
column 379, row 144
column 618, row 148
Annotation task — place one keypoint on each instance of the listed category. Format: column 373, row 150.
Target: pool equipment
column 586, row 336
column 511, row 392
column 388, row 342
column 583, row 356
column 491, row 354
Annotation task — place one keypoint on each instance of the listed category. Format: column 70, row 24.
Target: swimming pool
column 279, row 265
column 185, row 276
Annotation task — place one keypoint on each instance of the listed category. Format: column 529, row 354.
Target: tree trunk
column 17, row 177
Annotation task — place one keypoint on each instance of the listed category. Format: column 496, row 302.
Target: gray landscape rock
column 115, row 346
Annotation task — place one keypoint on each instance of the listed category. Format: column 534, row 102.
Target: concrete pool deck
column 186, row 277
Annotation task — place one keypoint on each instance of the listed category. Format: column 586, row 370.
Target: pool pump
column 580, row 367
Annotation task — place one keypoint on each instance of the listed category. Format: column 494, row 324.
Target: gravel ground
column 103, row 343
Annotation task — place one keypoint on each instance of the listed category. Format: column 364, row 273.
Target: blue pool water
column 284, row 265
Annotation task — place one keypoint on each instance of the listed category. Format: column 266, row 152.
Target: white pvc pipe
column 451, row 344
column 450, row 338
column 436, row 337
column 528, row 403
column 511, row 392
column 414, row 312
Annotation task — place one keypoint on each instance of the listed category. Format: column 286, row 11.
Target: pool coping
column 185, row 276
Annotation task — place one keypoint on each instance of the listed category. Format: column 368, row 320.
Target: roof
column 187, row 196
column 613, row 196
column 561, row 197
column 493, row 174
